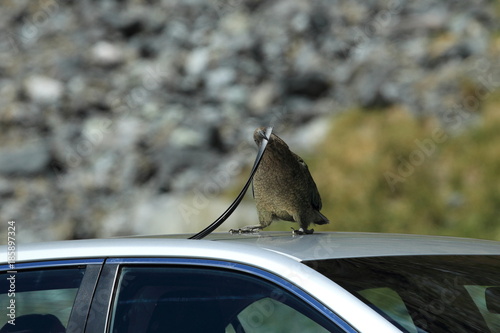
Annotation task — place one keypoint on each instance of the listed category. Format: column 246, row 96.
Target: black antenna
column 240, row 196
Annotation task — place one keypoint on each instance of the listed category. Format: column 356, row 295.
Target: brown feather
column 283, row 187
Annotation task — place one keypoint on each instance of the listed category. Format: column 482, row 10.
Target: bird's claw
column 246, row 230
column 301, row 231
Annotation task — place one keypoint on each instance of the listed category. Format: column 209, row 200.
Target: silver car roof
column 336, row 245
column 318, row 246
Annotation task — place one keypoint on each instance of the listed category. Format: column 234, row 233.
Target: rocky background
column 136, row 117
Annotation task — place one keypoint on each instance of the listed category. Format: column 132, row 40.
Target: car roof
column 336, row 245
column 318, row 246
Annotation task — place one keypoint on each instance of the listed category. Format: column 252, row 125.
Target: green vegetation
column 387, row 171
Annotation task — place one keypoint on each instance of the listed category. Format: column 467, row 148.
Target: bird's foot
column 250, row 229
column 301, row 231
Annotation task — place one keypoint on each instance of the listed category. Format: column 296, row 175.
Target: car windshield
column 424, row 293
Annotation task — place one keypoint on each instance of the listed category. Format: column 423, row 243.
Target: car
column 265, row 282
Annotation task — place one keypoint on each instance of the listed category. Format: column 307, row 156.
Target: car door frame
column 100, row 311
column 84, row 297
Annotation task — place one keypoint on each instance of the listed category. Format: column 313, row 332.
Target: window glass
column 269, row 315
column 191, row 299
column 389, row 301
column 423, row 293
column 478, row 295
column 38, row 300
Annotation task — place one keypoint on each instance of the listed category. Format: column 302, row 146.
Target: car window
column 38, row 300
column 424, row 293
column 389, row 301
column 478, row 295
column 270, row 315
column 194, row 299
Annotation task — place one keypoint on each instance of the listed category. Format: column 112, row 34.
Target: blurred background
column 136, row 117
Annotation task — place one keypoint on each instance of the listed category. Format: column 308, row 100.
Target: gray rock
column 186, row 138
column 25, row 160
column 43, row 89
column 197, row 61
column 106, row 54
column 262, row 97
column 236, row 95
column 6, row 187
column 220, row 78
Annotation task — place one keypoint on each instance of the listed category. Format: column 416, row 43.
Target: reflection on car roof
column 329, row 245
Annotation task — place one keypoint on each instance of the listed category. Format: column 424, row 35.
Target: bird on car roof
column 283, row 187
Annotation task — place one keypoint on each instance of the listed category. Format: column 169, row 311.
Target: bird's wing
column 313, row 189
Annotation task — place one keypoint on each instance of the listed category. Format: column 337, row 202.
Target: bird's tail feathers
column 321, row 219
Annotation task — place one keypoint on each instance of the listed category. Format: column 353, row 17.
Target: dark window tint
column 424, row 293
column 182, row 299
column 38, row 301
